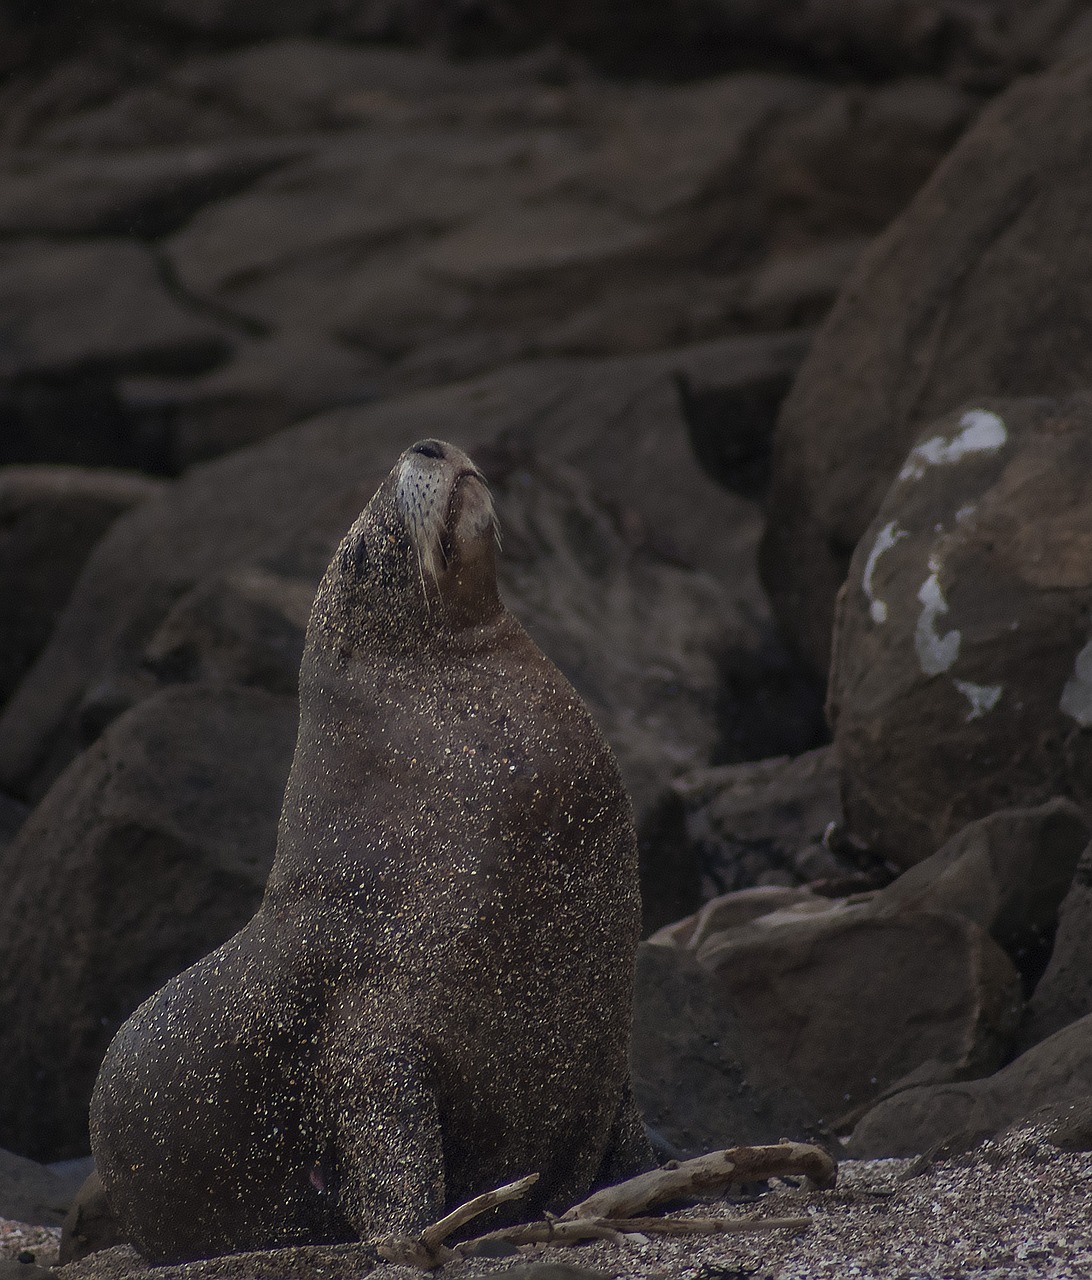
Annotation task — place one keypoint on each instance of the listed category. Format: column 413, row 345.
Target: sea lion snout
column 445, row 504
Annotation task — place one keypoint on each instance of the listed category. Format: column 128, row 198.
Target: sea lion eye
column 430, row 448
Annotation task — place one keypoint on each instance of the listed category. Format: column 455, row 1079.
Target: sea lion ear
column 354, row 555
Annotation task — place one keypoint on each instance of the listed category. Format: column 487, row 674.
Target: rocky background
column 734, row 303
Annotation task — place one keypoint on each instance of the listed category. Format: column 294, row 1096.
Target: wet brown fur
column 434, row 996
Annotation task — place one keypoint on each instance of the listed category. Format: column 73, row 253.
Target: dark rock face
column 95, row 306
column 700, row 1082
column 849, row 999
column 409, row 221
column 90, row 1225
column 961, row 1114
column 763, row 823
column 51, row 519
column 149, row 850
column 986, row 40
column 30, row 1192
column 953, row 301
column 1064, row 992
column 959, row 683
column 1009, row 872
column 215, row 582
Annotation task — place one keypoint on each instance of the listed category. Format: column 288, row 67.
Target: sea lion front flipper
column 387, row 1132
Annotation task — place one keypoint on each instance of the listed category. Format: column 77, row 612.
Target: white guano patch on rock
column 982, row 697
column 885, row 540
column 1076, row 700
column 936, row 652
column 982, row 432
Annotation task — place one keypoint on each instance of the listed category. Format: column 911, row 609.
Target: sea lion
column 435, row 994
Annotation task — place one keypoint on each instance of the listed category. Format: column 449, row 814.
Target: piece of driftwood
column 706, row 1174
column 435, row 1235
column 610, row 1214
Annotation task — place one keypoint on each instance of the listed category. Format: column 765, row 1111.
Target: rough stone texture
column 418, row 220
column 93, row 306
column 986, row 40
column 89, row 1224
column 29, row 1192
column 1008, row 872
column 267, row 384
column 700, row 1083
column 136, row 193
column 849, row 1000
column 976, row 290
column 50, row 519
column 610, row 529
column 763, row 823
column 960, row 1114
column 151, row 849
column 1064, row 992
column 960, row 681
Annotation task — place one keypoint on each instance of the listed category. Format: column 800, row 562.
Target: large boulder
column 978, row 289
column 29, row 1192
column 957, row 1114
column 631, row 568
column 1064, row 992
column 50, row 519
column 961, row 678
column 349, row 219
column 1011, row 872
column 149, row 851
column 700, row 1082
column 984, row 41
column 763, row 822
column 143, row 192
column 850, row 1000
column 96, row 305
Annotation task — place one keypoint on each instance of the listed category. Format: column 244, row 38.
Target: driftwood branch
column 707, row 1174
column 610, row 1214
column 435, row 1235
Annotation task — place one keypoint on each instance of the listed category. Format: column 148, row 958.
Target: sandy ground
column 1017, row 1207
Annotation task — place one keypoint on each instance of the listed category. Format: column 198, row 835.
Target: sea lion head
column 420, row 560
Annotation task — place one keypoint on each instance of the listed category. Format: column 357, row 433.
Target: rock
column 762, row 823
column 301, row 82
column 1065, row 1125
column 970, row 293
column 1008, row 872
column 89, row 1225
column 12, row 816
column 959, row 682
column 849, row 1000
column 1056, row 1072
column 137, row 193
column 96, row 305
column 51, row 518
column 1064, row 992
column 151, row 849
column 700, row 1082
column 29, row 1192
column 268, row 384
column 610, row 530
column 985, row 42
column 799, row 289
column 13, row 1269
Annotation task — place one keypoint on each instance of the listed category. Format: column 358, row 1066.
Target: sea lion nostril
column 430, row 448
